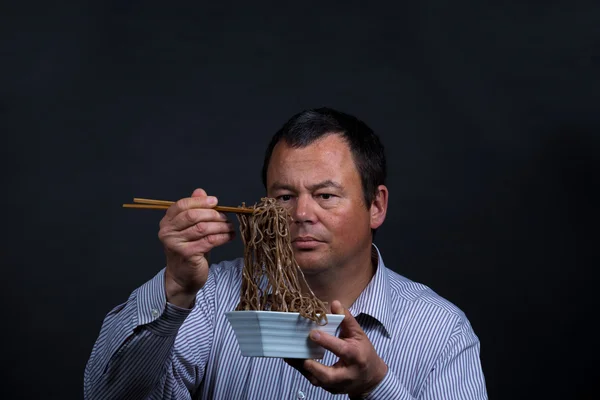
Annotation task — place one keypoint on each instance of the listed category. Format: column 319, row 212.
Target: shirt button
column 154, row 312
column 301, row 394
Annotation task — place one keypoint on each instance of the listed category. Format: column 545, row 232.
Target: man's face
column 321, row 188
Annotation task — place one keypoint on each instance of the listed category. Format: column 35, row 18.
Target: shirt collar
column 375, row 300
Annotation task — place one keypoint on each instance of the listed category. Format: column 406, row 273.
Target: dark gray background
column 489, row 114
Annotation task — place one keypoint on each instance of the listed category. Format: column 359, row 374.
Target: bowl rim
column 237, row 312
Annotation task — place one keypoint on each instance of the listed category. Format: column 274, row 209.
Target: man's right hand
column 188, row 231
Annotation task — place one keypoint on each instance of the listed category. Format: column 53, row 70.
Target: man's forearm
column 132, row 354
column 134, row 371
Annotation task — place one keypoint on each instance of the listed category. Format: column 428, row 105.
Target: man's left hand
column 359, row 369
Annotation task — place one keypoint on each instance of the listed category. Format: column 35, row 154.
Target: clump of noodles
column 271, row 278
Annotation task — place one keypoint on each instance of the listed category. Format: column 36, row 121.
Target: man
column 398, row 340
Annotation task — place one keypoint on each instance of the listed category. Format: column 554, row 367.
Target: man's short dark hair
column 367, row 150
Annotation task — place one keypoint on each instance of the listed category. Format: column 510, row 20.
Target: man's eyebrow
column 280, row 186
column 325, row 184
column 321, row 185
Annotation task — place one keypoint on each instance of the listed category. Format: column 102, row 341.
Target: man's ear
column 379, row 206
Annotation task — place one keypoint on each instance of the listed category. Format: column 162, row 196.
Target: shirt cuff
column 159, row 316
column 389, row 388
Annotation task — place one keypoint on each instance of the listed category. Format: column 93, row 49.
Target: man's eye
column 285, row 197
column 326, row 196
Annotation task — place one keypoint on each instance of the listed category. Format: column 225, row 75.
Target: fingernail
column 315, row 335
column 211, row 200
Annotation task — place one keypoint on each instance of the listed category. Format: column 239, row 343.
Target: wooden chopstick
column 152, row 201
column 164, row 204
column 148, row 206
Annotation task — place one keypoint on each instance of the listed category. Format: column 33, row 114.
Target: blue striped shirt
column 150, row 349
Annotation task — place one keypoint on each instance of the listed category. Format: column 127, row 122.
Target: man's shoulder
column 406, row 292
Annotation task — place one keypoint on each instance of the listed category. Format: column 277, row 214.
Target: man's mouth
column 305, row 242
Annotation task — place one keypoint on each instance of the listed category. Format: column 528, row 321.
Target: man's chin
column 311, row 264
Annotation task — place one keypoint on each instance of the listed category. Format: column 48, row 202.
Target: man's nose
column 303, row 210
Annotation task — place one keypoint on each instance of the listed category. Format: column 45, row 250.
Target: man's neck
column 344, row 284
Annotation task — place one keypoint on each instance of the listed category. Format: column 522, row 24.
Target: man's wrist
column 177, row 296
column 382, row 371
column 182, row 300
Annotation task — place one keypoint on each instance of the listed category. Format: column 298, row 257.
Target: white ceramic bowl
column 278, row 334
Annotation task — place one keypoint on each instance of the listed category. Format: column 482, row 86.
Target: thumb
column 349, row 326
column 199, row 193
column 337, row 308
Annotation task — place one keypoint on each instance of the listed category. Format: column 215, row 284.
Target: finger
column 296, row 363
column 329, row 342
column 204, row 245
column 323, row 374
column 203, row 229
column 189, row 218
column 191, row 202
column 349, row 327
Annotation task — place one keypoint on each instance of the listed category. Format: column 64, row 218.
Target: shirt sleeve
column 136, row 355
column 457, row 374
column 389, row 388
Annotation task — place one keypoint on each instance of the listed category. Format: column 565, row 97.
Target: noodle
column 271, row 278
